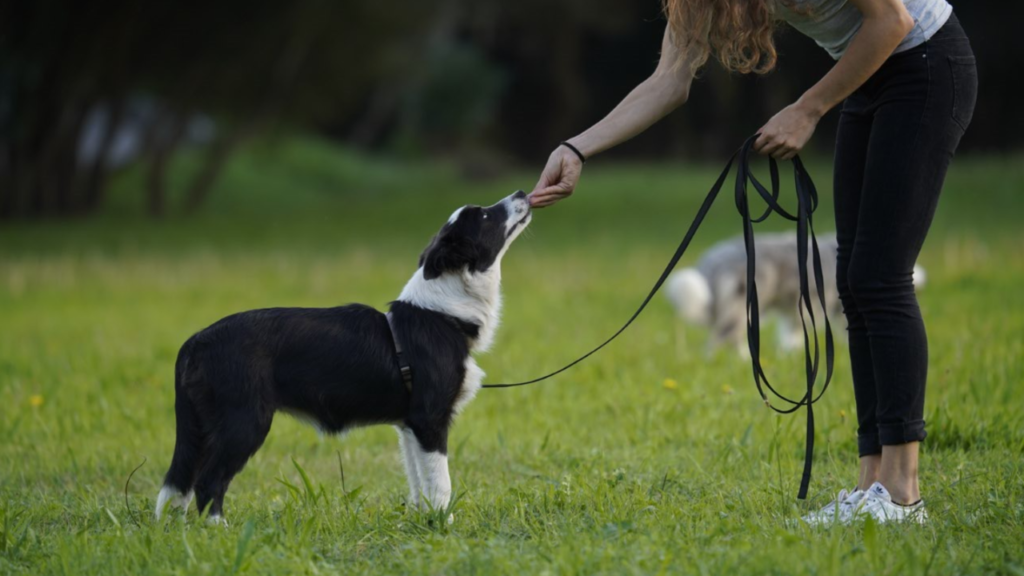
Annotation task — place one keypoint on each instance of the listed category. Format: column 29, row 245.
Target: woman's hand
column 786, row 134
column 559, row 178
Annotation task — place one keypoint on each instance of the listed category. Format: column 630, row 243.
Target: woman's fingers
column 548, row 196
column 762, row 141
column 769, row 142
column 537, row 200
column 553, row 173
column 540, row 198
column 542, row 201
column 777, row 148
column 548, row 177
column 771, row 147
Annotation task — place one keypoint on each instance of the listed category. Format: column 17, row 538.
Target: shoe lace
column 851, row 498
column 836, row 504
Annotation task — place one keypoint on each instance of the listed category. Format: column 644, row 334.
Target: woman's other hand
column 559, row 178
column 786, row 134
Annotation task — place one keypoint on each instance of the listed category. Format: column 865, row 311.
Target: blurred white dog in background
column 713, row 294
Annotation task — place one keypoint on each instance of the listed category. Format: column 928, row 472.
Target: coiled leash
column 807, row 203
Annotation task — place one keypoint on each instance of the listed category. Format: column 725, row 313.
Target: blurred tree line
column 87, row 88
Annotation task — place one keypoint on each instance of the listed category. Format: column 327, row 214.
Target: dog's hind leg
column 410, row 457
column 188, row 444
column 729, row 330
column 239, row 434
column 172, row 496
column 178, row 482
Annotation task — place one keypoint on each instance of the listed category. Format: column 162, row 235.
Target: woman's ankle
column 903, row 491
column 869, row 467
column 898, row 472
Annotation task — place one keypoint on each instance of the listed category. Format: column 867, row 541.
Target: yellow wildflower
column 726, row 389
column 670, row 384
column 35, row 400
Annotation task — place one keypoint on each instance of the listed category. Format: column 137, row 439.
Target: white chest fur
column 470, row 384
column 470, row 297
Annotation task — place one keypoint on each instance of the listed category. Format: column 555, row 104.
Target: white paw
column 217, row 520
column 171, row 498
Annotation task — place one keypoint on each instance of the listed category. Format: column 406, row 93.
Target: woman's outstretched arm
column 666, row 89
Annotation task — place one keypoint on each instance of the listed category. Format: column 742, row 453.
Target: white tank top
column 833, row 23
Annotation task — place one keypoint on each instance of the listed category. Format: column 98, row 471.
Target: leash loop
column 807, row 203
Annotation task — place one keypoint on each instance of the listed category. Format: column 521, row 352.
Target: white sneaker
column 878, row 505
column 838, row 510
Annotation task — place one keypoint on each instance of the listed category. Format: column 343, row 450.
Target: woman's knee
column 846, row 297
column 868, row 282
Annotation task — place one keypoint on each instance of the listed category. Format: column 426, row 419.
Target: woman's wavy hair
column 739, row 33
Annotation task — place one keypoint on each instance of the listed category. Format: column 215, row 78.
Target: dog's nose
column 519, row 195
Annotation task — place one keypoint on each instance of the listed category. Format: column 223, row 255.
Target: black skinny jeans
column 897, row 135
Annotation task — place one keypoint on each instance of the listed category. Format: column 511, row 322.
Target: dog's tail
column 920, row 277
column 188, row 444
column 690, row 294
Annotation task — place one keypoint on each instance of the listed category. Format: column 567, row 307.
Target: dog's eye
column 485, row 215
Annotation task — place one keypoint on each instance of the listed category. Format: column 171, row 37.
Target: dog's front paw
column 217, row 520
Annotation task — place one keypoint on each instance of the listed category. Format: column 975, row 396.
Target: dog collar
column 403, row 366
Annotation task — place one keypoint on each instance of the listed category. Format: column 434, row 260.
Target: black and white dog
column 338, row 367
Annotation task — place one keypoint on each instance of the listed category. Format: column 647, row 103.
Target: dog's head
column 475, row 237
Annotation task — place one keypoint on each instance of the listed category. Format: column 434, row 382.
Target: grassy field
column 650, row 458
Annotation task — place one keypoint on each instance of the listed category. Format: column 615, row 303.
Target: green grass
column 602, row 470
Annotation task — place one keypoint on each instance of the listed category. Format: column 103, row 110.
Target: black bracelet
column 583, row 158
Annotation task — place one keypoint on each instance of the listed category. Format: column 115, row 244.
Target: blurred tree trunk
column 48, row 186
column 283, row 79
column 680, row 136
column 65, row 165
column 49, row 94
column 384, row 104
column 95, row 182
column 220, row 152
column 722, row 139
column 165, row 134
column 568, row 83
column 35, row 191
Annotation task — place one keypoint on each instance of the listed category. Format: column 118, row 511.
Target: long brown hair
column 739, row 33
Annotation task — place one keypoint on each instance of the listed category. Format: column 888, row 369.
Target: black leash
column 807, row 203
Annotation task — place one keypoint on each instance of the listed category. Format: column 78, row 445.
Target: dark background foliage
column 87, row 88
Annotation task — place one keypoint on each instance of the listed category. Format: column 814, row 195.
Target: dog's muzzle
column 519, row 210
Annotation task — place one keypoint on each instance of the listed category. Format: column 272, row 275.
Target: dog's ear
column 449, row 251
